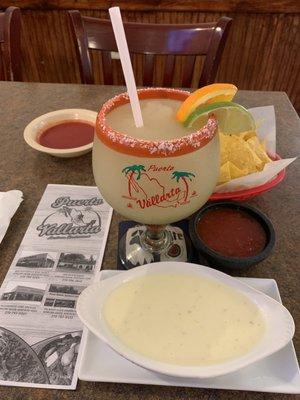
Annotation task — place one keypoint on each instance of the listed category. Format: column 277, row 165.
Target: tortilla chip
column 223, row 147
column 264, row 144
column 258, row 162
column 236, row 172
column 258, row 149
column 224, row 173
column 247, row 135
column 242, row 156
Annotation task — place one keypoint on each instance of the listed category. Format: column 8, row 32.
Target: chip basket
column 247, row 194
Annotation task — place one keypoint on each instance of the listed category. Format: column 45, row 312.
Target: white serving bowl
column 279, row 323
column 40, row 123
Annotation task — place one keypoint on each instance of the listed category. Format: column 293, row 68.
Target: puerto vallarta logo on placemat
column 146, row 188
column 72, row 219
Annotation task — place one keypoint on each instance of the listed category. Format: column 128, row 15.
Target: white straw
column 118, row 28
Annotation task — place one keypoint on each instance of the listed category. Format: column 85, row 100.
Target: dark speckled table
column 30, row 171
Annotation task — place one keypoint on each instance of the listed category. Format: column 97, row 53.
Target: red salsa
column 231, row 232
column 67, row 135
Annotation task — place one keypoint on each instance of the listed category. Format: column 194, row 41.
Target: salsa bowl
column 33, row 129
column 219, row 260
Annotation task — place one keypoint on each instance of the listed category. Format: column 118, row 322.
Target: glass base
column 137, row 247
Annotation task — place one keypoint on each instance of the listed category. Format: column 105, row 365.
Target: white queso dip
column 183, row 319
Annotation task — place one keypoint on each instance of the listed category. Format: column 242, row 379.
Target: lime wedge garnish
column 232, row 117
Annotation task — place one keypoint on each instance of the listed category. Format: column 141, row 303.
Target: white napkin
column 9, row 203
column 266, row 130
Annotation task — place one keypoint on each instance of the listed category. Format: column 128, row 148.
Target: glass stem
column 155, row 238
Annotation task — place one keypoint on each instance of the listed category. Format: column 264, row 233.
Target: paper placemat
column 60, row 254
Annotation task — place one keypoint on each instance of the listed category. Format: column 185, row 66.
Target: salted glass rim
column 124, row 143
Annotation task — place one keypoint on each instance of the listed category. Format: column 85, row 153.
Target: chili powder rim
column 152, row 148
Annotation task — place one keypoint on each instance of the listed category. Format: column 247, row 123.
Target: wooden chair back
column 10, row 53
column 171, row 40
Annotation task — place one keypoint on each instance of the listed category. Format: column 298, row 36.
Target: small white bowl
column 279, row 323
column 40, row 123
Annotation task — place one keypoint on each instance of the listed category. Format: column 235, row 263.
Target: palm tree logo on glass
column 145, row 190
column 154, row 175
column 184, row 176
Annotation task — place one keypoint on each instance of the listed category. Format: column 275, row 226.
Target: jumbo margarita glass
column 154, row 175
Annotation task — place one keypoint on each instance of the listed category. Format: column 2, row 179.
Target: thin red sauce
column 232, row 232
column 67, row 135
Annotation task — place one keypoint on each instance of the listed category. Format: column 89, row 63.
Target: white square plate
column 278, row 373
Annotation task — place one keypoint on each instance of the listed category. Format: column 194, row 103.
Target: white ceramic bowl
column 279, row 323
column 40, row 123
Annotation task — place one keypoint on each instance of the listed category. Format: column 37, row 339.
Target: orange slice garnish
column 216, row 92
